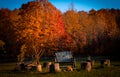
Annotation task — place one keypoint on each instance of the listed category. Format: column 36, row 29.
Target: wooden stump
column 17, row 67
column 92, row 63
column 83, row 65
column 102, row 63
column 57, row 67
column 39, row 68
column 48, row 65
column 107, row 62
column 88, row 66
column 20, row 67
column 69, row 68
column 31, row 67
column 52, row 68
column 44, row 64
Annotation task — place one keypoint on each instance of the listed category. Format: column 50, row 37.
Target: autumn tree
column 108, row 18
column 40, row 26
column 74, row 29
column 7, row 32
column 110, row 30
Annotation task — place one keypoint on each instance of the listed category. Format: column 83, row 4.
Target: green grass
column 6, row 70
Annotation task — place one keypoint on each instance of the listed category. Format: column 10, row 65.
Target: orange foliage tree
column 40, row 26
column 7, row 32
column 74, row 29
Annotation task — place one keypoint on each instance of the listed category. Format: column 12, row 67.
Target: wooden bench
column 65, row 59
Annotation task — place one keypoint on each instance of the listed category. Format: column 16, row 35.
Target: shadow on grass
column 116, row 65
column 99, row 67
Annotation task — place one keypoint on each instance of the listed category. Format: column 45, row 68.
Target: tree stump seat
column 31, row 67
column 105, row 62
column 86, row 65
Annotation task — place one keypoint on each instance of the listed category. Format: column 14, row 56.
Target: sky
column 63, row 5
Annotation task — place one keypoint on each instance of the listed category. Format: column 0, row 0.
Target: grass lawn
column 6, row 70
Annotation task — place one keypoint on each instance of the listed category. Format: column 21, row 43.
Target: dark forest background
column 39, row 28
